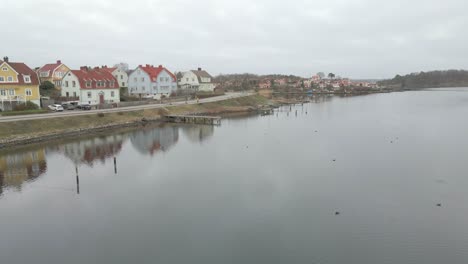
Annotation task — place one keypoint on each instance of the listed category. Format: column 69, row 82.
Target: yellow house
column 54, row 73
column 18, row 84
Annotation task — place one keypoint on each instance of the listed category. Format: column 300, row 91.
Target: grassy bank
column 41, row 127
column 26, row 112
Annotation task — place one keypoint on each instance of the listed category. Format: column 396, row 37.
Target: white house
column 149, row 81
column 119, row 74
column 92, row 86
column 197, row 80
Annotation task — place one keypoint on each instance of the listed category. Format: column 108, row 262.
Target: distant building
column 53, row 72
column 119, row 74
column 198, row 80
column 150, row 81
column 92, row 86
column 18, row 84
column 264, row 84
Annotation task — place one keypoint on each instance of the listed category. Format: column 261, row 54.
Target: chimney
column 84, row 68
column 5, row 59
column 147, row 65
column 160, row 66
column 199, row 69
column 59, row 62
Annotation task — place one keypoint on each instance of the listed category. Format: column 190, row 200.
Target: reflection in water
column 90, row 150
column 151, row 140
column 198, row 133
column 20, row 167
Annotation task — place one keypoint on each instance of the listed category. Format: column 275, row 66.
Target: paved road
column 120, row 109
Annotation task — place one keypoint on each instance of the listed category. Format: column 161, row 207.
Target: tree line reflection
column 18, row 167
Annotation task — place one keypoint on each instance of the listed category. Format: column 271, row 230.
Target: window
column 161, row 79
column 123, row 84
column 28, row 92
column 89, row 94
column 44, row 74
column 27, row 79
column 3, row 92
column 74, row 94
column 143, row 88
column 142, row 79
column 121, row 77
column 66, row 83
column 4, row 69
column 11, row 92
column 66, row 94
column 73, row 84
column 2, row 79
column 116, row 76
column 112, row 94
column 112, row 84
column 10, row 79
column 167, row 79
column 88, row 83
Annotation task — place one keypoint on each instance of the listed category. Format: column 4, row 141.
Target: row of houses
column 99, row 85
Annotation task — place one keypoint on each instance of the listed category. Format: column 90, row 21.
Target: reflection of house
column 154, row 139
column 91, row 150
column 15, row 169
column 92, row 86
column 18, row 84
column 53, row 72
column 198, row 133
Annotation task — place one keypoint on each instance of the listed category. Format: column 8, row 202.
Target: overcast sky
column 354, row 38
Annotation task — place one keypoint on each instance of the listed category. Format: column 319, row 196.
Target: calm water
column 254, row 190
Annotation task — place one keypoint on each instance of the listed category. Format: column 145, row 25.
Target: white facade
column 121, row 76
column 198, row 80
column 71, row 88
column 140, row 83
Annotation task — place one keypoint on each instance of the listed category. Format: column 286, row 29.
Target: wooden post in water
column 115, row 165
column 77, row 180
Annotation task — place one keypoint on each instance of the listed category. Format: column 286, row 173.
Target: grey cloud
column 355, row 38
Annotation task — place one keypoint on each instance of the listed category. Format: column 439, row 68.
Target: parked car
column 84, row 107
column 69, row 106
column 56, row 107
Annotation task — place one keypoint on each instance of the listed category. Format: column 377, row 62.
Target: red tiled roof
column 95, row 75
column 22, row 69
column 153, row 72
column 50, row 68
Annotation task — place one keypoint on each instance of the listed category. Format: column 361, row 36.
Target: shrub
column 28, row 106
column 100, row 114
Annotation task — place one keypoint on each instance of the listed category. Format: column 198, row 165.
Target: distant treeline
column 433, row 79
column 249, row 76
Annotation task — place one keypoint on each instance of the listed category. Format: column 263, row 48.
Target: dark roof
column 22, row 69
column 201, row 74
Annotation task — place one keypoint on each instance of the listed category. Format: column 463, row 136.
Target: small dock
column 205, row 120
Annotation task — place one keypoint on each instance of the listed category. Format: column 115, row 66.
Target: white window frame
column 90, row 95
column 11, row 92
column 10, row 79
column 2, row 79
column 112, row 93
column 4, row 69
column 3, row 92
column 28, row 92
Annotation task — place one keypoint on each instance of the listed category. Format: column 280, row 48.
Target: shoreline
column 244, row 105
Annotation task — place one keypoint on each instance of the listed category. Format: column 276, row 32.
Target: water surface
column 260, row 189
